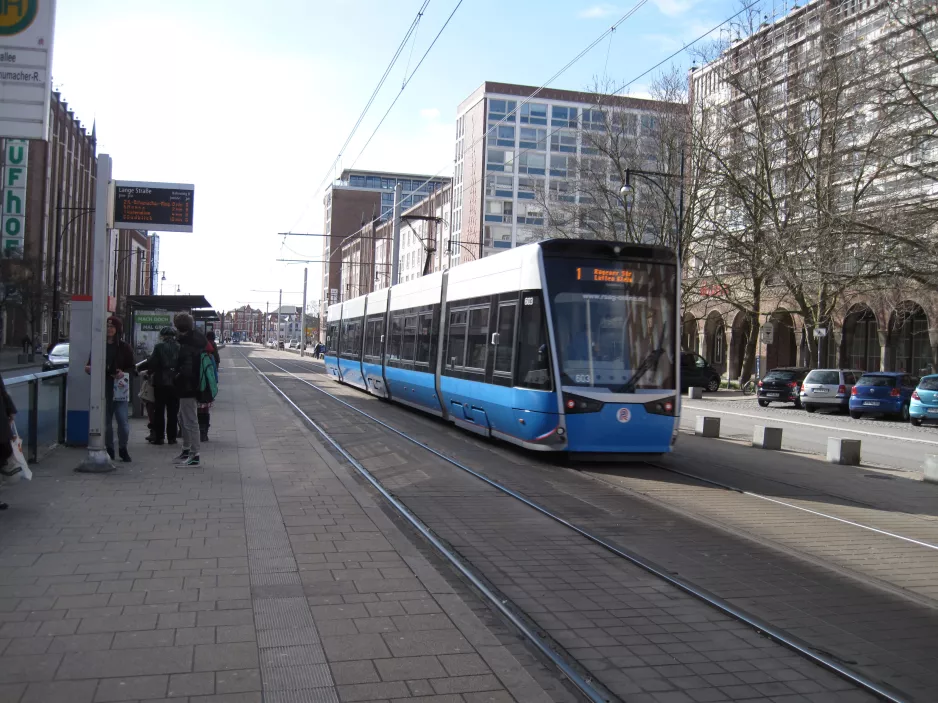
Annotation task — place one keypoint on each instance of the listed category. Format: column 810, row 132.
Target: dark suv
column 782, row 385
column 697, row 371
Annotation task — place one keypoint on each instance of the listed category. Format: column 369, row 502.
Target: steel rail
column 777, row 635
column 583, row 683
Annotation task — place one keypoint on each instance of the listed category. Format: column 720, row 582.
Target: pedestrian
column 205, row 409
column 188, row 369
column 7, row 412
column 27, row 344
column 161, row 365
column 119, row 363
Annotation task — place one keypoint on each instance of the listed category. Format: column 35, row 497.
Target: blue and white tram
column 563, row 345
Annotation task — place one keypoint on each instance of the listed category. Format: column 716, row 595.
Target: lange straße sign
column 161, row 207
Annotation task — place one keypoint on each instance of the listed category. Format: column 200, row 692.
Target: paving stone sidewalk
column 268, row 575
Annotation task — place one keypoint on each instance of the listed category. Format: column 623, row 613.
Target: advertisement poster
column 147, row 326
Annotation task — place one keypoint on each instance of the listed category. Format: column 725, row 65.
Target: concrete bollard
column 707, row 426
column 931, row 468
column 843, row 451
column 695, row 393
column 767, row 437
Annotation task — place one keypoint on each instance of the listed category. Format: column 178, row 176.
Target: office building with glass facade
column 510, row 148
column 357, row 198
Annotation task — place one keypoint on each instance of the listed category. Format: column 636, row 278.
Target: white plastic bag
column 122, row 388
column 16, row 468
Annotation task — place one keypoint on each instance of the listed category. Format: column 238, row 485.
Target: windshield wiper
column 648, row 363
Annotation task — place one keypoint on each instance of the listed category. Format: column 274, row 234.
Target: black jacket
column 7, row 408
column 191, row 346
column 162, row 363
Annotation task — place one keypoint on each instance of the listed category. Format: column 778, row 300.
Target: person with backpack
column 162, row 369
column 205, row 407
column 188, row 382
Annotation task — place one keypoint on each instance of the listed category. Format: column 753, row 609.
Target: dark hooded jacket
column 118, row 357
column 188, row 367
column 7, row 408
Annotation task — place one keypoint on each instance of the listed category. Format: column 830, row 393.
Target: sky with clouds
column 253, row 105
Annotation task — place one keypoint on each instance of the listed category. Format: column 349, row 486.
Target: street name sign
column 26, row 29
column 160, row 207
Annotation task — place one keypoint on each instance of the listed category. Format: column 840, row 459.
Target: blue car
column 924, row 405
column 883, row 393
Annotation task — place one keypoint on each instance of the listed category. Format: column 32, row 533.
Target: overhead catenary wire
column 387, row 71
column 617, row 91
column 407, row 80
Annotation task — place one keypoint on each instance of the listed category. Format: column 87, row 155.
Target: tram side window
column 394, row 348
column 533, row 348
column 424, row 332
column 456, row 338
column 477, row 338
column 352, row 339
column 373, row 332
column 504, row 350
column 409, row 344
column 332, row 338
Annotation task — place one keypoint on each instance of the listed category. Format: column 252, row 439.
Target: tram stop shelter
column 151, row 313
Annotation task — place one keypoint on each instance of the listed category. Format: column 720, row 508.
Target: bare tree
column 623, row 141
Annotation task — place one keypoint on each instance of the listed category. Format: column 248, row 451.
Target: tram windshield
column 614, row 323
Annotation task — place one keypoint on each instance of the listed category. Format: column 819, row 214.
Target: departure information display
column 161, row 207
column 604, row 275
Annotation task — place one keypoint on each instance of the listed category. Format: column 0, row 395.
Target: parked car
column 272, row 343
column 782, row 385
column 697, row 371
column 828, row 389
column 293, row 344
column 924, row 403
column 57, row 359
column 883, row 393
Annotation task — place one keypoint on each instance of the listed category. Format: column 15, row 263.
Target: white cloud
column 673, row 8
column 598, row 11
column 430, row 113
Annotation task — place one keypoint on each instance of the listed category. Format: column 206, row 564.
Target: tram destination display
column 160, row 207
column 603, row 275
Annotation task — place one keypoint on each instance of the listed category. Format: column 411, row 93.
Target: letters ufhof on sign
column 13, row 194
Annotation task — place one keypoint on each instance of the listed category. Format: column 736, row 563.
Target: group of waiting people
column 173, row 372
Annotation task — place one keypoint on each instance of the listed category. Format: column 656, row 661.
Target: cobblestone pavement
column 640, row 637
column 268, row 575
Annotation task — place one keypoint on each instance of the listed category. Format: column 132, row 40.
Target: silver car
column 828, row 389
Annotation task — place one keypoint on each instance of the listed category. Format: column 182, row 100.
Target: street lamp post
column 627, row 192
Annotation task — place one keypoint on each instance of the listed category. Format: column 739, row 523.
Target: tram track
column 810, row 652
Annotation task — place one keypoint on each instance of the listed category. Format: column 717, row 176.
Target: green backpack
column 208, row 378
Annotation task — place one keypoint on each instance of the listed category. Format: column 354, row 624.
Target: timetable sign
column 160, row 207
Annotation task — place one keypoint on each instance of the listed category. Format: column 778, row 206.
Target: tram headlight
column 664, row 406
column 578, row 404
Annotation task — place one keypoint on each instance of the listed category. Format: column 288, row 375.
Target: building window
column 593, row 119
column 534, row 113
column 500, row 109
column 505, row 136
column 498, row 211
column 500, row 160
column 499, row 186
column 532, row 138
column 563, row 142
column 527, row 188
column 532, row 163
column 562, row 166
column 563, row 116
